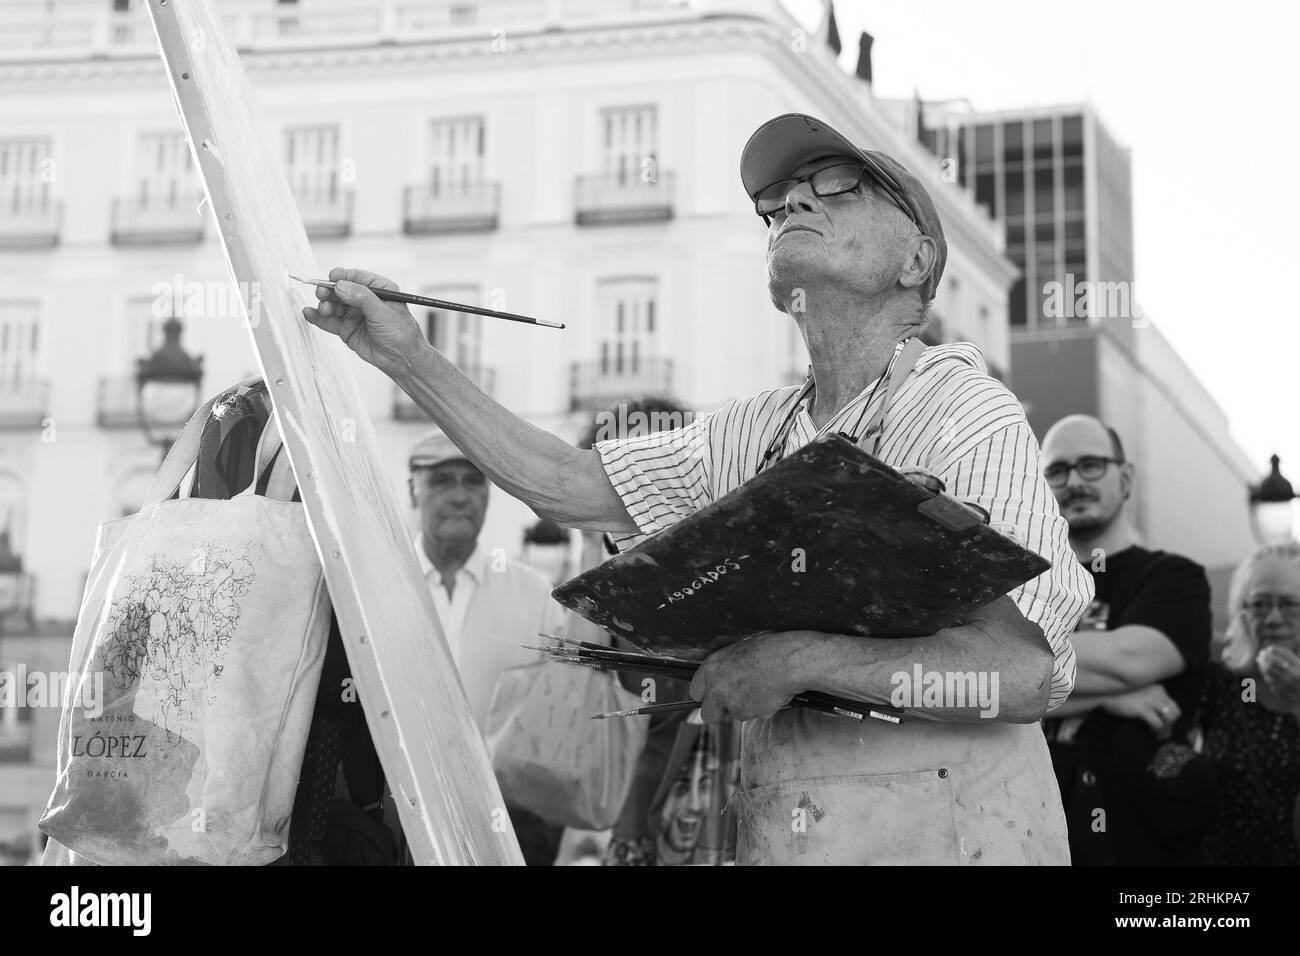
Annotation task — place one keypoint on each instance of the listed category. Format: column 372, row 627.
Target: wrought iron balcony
column 23, row 404
column 157, row 222
column 608, row 199
column 326, row 214
column 405, row 410
column 29, row 224
column 472, row 208
column 597, row 385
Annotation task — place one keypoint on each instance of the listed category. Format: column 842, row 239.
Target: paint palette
column 828, row 539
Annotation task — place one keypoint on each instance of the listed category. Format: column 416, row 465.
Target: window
column 457, row 154
column 1016, row 305
column 1013, row 139
column 629, row 143
column 984, row 190
column 1072, row 136
column 1043, row 192
column 1073, row 173
column 20, row 342
column 1042, row 129
column 165, row 171
column 455, row 334
column 984, row 143
column 627, row 339
column 1015, row 193
column 23, row 178
column 312, row 159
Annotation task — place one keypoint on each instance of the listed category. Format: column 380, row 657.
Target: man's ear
column 1127, row 477
column 917, row 262
column 410, row 486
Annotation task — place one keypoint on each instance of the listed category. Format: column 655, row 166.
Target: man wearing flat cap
column 489, row 605
column 855, row 251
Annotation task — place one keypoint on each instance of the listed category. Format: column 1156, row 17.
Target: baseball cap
column 433, row 449
column 787, row 141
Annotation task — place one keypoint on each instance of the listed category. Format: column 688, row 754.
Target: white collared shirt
column 497, row 604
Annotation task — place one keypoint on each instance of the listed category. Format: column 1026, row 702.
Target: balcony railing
column 599, row 385
column 470, row 208
column 405, row 410
column 326, row 215
column 29, row 32
column 619, row 199
column 23, row 404
column 30, row 224
column 137, row 223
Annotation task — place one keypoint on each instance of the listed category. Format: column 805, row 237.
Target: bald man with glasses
column 1142, row 650
column 855, row 251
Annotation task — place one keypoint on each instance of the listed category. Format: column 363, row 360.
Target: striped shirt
column 950, row 417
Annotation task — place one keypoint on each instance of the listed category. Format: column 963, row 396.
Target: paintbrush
column 604, row 658
column 390, row 296
column 667, row 708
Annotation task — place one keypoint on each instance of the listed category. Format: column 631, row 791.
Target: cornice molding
column 603, row 42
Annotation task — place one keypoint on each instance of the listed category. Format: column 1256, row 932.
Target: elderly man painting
column 855, row 251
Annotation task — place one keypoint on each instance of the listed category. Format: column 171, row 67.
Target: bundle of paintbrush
column 585, row 654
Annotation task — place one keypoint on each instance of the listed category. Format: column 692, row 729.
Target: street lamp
column 11, row 579
column 1272, row 512
column 167, row 388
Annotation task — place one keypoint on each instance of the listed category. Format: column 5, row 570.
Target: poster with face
column 686, row 814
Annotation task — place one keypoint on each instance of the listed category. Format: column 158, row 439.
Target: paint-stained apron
column 823, row 790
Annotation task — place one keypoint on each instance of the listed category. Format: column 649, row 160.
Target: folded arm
column 1124, row 659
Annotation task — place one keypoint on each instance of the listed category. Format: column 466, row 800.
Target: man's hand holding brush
column 384, row 334
column 565, row 484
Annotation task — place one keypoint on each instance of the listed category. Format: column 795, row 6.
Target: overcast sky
column 1205, row 96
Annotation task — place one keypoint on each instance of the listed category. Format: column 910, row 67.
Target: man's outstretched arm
column 566, row 484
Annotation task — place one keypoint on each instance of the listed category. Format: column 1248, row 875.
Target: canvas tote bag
column 196, row 659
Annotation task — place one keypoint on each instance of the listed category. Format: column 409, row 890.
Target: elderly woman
column 1251, row 714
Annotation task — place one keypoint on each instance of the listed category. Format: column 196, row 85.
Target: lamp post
column 167, row 388
column 13, row 583
column 1272, row 508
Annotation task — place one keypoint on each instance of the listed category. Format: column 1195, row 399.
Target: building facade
column 574, row 160
column 1060, row 187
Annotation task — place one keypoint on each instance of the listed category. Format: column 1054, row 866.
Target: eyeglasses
column 1261, row 605
column 833, row 180
column 1089, row 467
